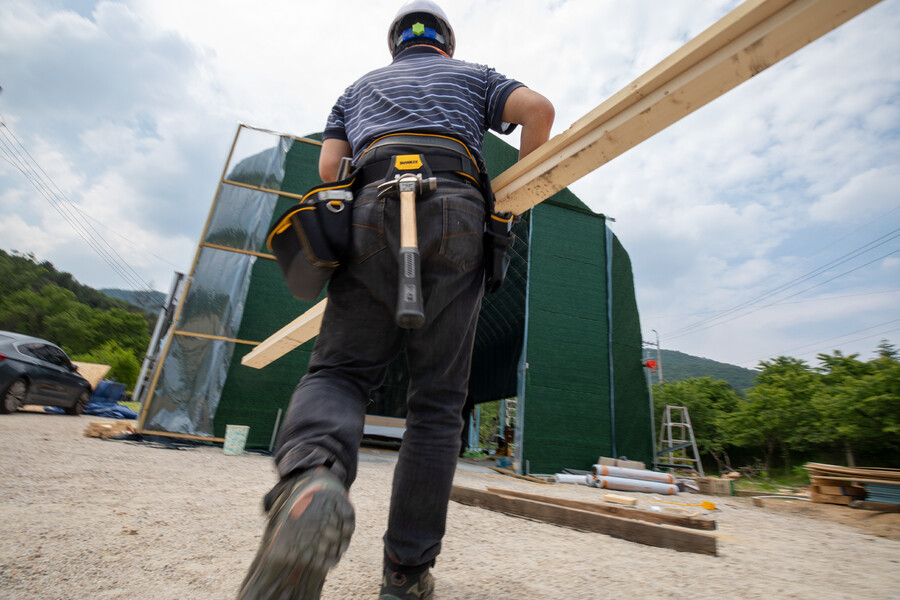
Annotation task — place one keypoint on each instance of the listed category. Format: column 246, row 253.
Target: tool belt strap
column 445, row 156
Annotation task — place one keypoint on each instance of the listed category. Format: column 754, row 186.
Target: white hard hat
column 444, row 36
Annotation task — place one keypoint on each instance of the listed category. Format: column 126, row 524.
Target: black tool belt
column 445, row 156
column 310, row 239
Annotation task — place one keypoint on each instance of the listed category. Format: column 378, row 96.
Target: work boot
column 310, row 524
column 406, row 585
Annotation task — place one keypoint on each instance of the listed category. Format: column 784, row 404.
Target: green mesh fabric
column 634, row 435
column 566, row 401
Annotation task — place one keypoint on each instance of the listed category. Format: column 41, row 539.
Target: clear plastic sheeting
column 189, row 387
column 193, row 371
column 242, row 215
column 241, row 219
column 214, row 304
column 258, row 158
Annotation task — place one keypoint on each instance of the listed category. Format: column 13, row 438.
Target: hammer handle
column 409, row 235
column 410, row 311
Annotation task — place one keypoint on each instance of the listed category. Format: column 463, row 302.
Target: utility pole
column 658, row 356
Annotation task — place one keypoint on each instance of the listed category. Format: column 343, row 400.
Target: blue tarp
column 104, row 402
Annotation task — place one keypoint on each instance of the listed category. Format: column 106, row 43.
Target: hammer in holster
column 410, row 309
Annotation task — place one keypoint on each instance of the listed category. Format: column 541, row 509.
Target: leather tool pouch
column 498, row 238
column 310, row 238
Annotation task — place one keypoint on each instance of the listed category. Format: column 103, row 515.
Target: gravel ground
column 89, row 518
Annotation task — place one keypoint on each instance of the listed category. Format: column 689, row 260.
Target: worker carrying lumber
column 424, row 115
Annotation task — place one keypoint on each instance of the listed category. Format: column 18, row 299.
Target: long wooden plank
column 753, row 37
column 745, row 42
column 625, row 512
column 663, row 536
column 303, row 328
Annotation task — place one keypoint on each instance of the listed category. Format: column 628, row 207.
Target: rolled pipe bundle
column 642, row 474
column 635, row 485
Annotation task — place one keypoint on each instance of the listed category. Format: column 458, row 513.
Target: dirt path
column 87, row 518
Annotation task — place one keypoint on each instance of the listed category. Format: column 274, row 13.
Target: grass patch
column 135, row 406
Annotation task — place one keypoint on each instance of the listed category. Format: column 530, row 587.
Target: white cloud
column 872, row 192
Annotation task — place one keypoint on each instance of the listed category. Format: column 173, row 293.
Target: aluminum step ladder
column 676, row 437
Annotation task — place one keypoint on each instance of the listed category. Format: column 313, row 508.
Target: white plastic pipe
column 642, row 474
column 636, row 485
column 569, row 478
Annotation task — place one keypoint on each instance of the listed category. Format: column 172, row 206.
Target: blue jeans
column 358, row 340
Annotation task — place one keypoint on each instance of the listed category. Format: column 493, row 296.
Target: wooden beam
column 663, row 536
column 748, row 40
column 619, row 511
column 303, row 328
column 745, row 42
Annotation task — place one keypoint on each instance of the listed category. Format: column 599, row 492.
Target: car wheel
column 14, row 397
column 80, row 404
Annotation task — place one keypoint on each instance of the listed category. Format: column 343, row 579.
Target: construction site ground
column 84, row 517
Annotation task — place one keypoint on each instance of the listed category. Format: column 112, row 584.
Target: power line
column 807, row 301
column 818, row 343
column 18, row 156
column 759, row 308
column 855, row 253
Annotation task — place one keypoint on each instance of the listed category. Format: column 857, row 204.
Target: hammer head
column 407, row 183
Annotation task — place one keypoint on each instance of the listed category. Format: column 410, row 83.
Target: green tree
column 708, row 401
column 128, row 329
column 778, row 413
column 124, row 367
column 859, row 402
column 25, row 310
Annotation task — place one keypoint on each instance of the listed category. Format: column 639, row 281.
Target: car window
column 56, row 356
column 33, row 350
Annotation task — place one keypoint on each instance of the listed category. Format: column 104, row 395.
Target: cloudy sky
column 764, row 224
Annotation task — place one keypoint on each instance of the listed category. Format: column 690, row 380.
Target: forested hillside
column 150, row 301
column 38, row 300
column 678, row 365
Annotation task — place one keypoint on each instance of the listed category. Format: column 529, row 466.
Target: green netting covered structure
column 562, row 336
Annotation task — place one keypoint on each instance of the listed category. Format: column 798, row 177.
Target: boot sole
column 307, row 542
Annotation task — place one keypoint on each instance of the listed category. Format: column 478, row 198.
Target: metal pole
column 652, row 414
column 658, row 357
column 153, row 349
column 275, row 430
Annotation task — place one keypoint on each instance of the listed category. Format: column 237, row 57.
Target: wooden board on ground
column 745, row 42
column 824, row 471
column 619, row 511
column 838, row 490
column 879, row 506
column 663, row 536
column 108, row 429
column 616, row 499
column 829, row 499
column 93, row 372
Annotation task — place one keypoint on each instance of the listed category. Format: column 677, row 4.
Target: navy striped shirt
column 422, row 91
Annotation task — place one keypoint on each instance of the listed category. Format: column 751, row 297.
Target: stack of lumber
column 643, row 526
column 834, row 484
